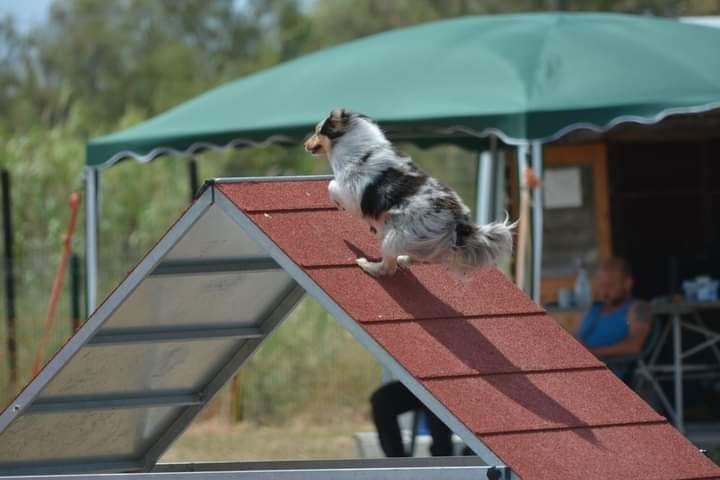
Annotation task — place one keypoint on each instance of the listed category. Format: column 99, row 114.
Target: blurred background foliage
column 96, row 66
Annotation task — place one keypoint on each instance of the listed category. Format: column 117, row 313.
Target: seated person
column 617, row 324
column 393, row 399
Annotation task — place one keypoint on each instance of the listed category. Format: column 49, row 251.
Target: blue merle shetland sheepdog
column 414, row 216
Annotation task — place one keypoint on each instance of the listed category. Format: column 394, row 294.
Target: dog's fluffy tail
column 480, row 245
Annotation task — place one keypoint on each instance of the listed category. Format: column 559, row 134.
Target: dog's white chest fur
column 344, row 198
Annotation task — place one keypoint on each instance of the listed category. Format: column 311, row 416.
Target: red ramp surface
column 482, row 355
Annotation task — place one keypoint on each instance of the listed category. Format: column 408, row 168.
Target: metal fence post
column 9, row 280
column 75, row 291
column 193, row 178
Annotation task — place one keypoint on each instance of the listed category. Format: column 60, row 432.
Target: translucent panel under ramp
column 152, row 355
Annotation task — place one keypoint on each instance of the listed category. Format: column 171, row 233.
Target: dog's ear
column 339, row 115
column 335, row 125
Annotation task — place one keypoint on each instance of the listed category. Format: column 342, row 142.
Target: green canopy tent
column 526, row 79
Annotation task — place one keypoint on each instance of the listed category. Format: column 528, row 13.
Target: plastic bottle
column 583, row 288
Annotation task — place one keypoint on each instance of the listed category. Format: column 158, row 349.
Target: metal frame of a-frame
column 43, row 412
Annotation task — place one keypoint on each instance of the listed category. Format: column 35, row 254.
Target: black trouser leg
column 441, row 436
column 393, row 399
column 387, row 403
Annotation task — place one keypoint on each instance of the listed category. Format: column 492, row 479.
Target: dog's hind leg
column 404, row 261
column 387, row 266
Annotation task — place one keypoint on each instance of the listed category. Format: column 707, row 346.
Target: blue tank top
column 599, row 330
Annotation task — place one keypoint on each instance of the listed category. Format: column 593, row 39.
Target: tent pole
column 483, row 188
column 525, row 258
column 484, row 184
column 537, row 223
column 500, row 184
column 92, row 184
column 523, row 234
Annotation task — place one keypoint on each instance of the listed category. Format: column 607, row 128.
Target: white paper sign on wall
column 562, row 188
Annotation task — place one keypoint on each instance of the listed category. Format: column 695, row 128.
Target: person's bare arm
column 640, row 316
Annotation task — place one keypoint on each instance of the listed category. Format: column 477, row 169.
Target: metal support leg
column 500, row 187
column 92, row 184
column 487, row 185
column 537, row 224
column 713, row 347
column 522, row 279
column 484, row 189
column 677, row 360
column 658, row 391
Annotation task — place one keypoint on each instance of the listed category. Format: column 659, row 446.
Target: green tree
column 97, row 66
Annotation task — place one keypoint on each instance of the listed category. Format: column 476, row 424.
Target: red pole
column 57, row 284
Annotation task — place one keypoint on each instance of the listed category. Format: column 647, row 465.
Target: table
column 678, row 317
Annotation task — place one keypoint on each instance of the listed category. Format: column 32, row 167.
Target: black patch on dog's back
column 463, row 230
column 388, row 190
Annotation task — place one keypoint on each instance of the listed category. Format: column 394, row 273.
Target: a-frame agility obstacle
column 521, row 392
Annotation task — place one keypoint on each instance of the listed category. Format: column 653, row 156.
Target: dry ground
column 217, row 440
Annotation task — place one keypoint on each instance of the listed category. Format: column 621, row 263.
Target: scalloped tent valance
column 522, row 77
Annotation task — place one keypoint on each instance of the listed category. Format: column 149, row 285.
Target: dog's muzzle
column 314, row 145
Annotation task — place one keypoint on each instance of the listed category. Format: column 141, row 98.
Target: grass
column 34, row 279
column 310, row 367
